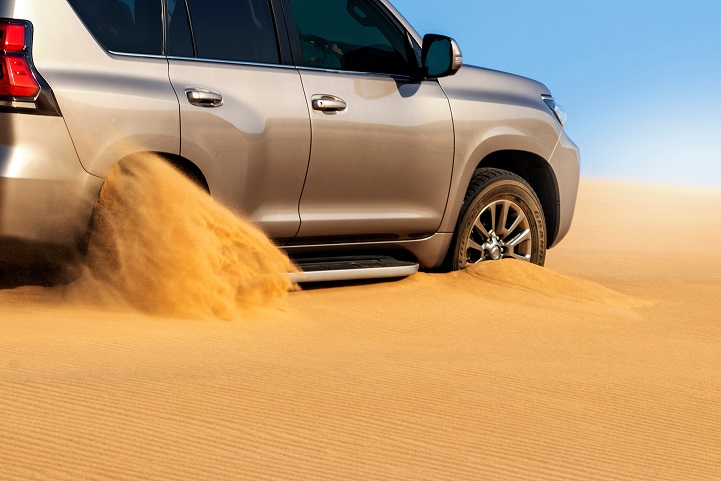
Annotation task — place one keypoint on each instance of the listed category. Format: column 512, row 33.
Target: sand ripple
column 603, row 366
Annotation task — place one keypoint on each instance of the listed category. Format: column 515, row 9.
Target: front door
column 382, row 140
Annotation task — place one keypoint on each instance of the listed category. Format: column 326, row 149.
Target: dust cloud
column 162, row 245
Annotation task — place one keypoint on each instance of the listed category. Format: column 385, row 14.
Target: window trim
column 228, row 62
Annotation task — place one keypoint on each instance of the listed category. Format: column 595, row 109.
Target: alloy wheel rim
column 501, row 230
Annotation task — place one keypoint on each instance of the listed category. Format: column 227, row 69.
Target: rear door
column 243, row 115
column 382, row 153
column 115, row 100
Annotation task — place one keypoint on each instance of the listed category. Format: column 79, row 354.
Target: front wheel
column 501, row 218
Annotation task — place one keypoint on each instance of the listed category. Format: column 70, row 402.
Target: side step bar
column 351, row 269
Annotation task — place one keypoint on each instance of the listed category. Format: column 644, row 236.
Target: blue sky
column 641, row 81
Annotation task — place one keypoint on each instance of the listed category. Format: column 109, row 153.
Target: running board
column 351, row 269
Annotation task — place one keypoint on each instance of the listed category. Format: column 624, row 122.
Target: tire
column 501, row 217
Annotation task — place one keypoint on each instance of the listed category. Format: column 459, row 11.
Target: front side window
column 351, row 35
column 126, row 26
column 237, row 30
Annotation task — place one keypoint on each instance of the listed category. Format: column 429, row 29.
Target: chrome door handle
column 204, row 98
column 328, row 103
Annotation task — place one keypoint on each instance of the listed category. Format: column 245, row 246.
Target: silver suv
column 360, row 147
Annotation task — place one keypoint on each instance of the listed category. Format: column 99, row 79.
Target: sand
column 603, row 365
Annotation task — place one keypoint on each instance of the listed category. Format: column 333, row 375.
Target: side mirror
column 440, row 56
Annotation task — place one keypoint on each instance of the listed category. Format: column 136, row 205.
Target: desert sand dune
column 603, row 365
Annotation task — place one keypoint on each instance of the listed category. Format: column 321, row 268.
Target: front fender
column 494, row 111
column 476, row 140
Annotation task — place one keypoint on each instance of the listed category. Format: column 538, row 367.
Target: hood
column 476, row 83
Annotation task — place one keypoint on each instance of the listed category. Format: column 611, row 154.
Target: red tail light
column 17, row 79
column 16, row 75
column 12, row 37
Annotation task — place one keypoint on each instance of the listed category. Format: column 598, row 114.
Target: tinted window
column 351, row 35
column 179, row 42
column 240, row 30
column 129, row 26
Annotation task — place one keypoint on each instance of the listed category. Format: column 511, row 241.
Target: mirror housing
column 440, row 56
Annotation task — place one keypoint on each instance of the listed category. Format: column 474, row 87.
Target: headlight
column 558, row 111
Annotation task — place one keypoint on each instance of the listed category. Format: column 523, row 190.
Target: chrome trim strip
column 204, row 60
column 353, row 72
column 230, row 62
column 354, row 274
column 137, row 55
column 258, row 64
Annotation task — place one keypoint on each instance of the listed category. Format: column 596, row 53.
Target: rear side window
column 237, row 30
column 127, row 26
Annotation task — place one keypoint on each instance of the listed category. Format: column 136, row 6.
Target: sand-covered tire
column 501, row 218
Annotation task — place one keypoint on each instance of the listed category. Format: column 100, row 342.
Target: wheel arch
column 187, row 168
column 535, row 170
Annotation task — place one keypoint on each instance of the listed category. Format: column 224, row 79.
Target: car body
column 327, row 159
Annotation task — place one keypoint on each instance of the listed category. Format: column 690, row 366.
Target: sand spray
column 162, row 245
